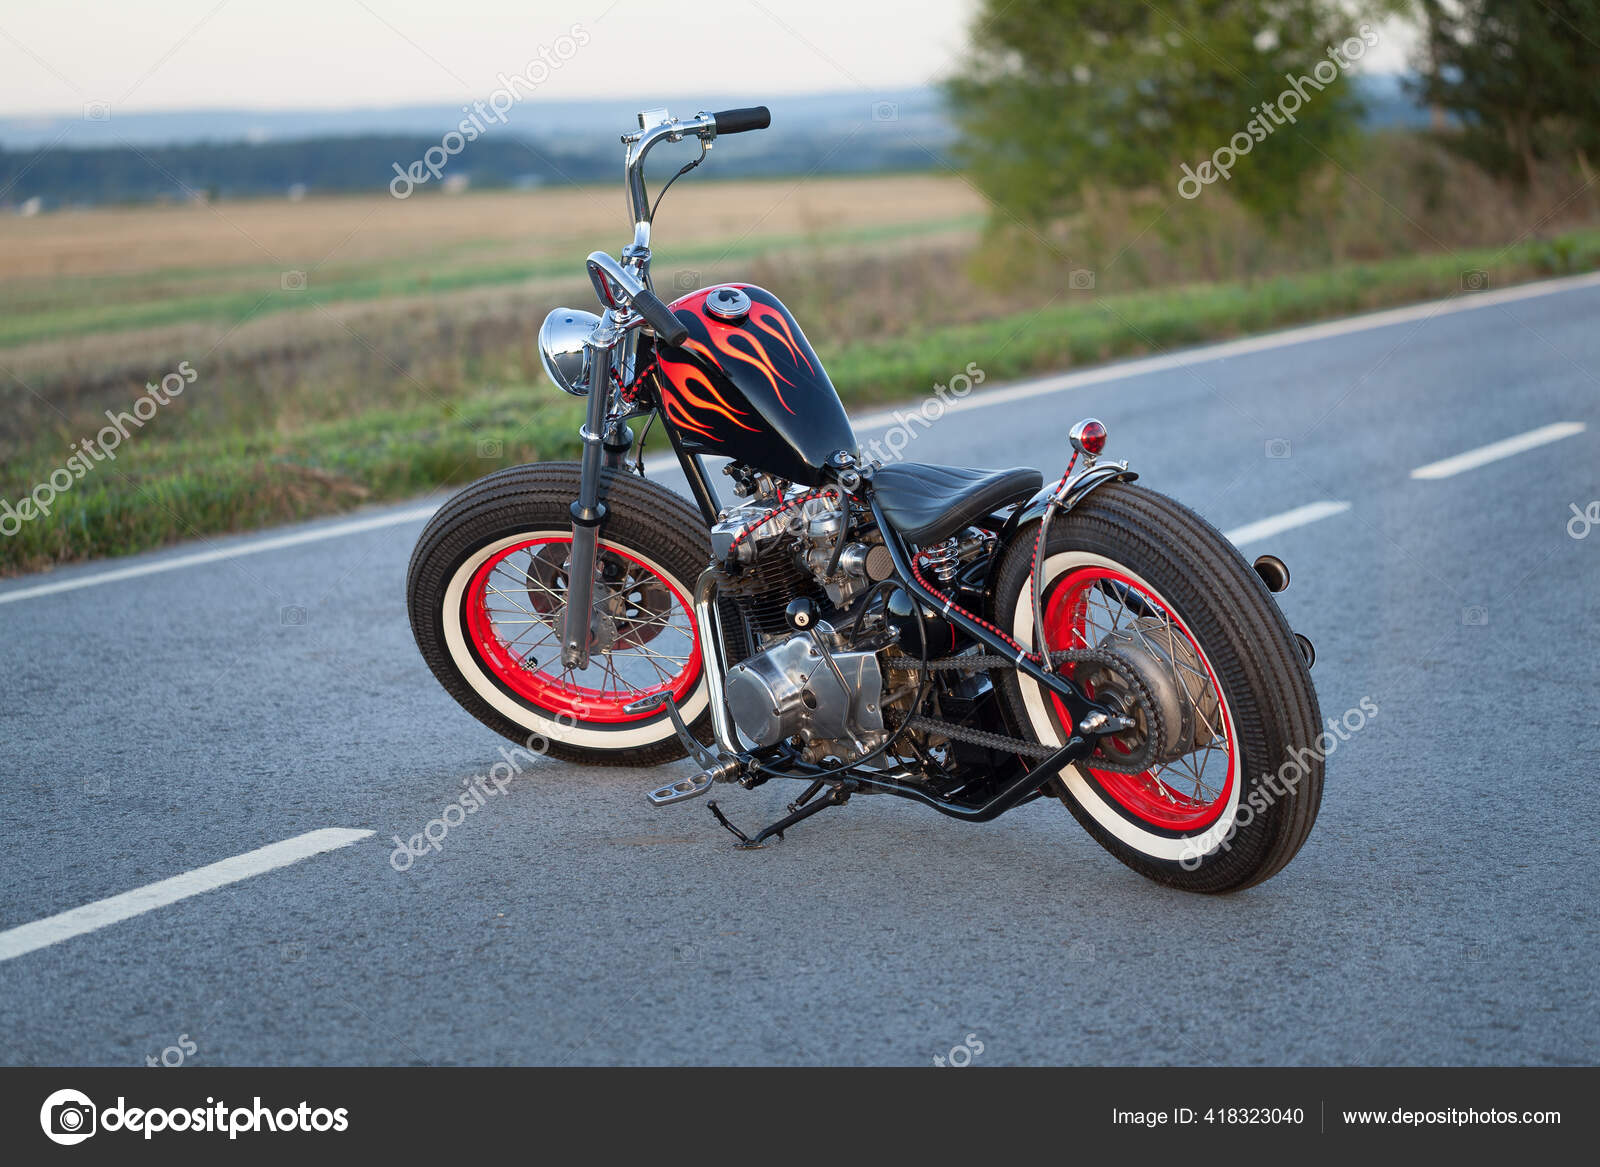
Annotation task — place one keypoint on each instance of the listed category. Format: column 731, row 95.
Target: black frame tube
column 1013, row 794
column 1078, row 706
column 694, row 469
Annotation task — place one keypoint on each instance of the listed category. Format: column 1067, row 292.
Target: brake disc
column 547, row 579
column 628, row 611
column 638, row 613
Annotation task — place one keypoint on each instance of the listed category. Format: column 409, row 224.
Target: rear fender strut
column 1074, row 493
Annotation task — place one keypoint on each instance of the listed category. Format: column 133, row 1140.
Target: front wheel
column 1218, row 783
column 487, row 595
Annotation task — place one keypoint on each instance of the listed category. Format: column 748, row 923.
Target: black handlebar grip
column 739, row 121
column 659, row 317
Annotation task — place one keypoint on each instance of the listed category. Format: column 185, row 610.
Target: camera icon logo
column 1277, row 447
column 1475, row 616
column 292, row 616
column 1474, row 280
column 96, row 111
column 1081, row 279
column 686, row 281
column 885, row 111
column 68, row 1117
column 292, row 281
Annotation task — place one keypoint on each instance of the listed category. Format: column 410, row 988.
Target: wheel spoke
column 1105, row 609
column 494, row 591
column 514, row 611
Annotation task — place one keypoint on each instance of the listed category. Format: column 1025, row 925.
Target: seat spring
column 943, row 559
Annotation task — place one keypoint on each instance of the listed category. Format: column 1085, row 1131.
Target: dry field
column 306, row 309
column 531, row 225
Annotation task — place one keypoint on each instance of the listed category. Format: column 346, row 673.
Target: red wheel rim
column 512, row 607
column 1184, row 795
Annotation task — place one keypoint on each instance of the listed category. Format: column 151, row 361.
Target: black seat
column 928, row 504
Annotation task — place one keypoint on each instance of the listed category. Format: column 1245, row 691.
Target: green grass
column 1084, row 328
column 166, row 484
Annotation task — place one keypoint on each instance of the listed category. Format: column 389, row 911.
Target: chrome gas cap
column 728, row 303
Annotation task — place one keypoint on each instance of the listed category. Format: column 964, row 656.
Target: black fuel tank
column 747, row 385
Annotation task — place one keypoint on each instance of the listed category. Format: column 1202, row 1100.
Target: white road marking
column 53, row 930
column 1277, row 524
column 1494, row 451
column 216, row 555
column 1021, row 391
column 1062, row 382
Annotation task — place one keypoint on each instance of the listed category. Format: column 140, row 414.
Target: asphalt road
column 1442, row 912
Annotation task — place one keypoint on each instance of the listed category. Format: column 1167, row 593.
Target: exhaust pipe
column 1273, row 572
column 715, row 656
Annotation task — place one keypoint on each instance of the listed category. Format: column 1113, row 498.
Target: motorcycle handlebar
column 659, row 317
column 740, row 121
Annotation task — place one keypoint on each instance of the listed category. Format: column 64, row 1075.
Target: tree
column 1521, row 76
column 1060, row 94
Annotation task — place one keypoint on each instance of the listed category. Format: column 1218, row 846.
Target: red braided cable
column 1033, row 563
column 969, row 615
column 630, row 391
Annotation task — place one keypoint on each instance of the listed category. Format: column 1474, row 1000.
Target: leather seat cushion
column 928, row 504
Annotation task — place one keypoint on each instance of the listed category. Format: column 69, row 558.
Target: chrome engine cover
column 790, row 690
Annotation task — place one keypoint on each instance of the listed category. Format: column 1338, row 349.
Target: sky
column 57, row 56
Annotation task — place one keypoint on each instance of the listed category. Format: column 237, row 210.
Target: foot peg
column 722, row 770
column 715, row 767
column 681, row 791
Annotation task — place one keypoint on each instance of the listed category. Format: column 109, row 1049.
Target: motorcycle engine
column 817, row 680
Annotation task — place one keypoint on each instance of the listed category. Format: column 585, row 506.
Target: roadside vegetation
column 355, row 350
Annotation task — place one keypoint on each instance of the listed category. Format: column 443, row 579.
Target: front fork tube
column 603, row 446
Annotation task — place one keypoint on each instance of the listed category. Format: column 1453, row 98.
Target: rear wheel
column 487, row 595
column 1218, row 783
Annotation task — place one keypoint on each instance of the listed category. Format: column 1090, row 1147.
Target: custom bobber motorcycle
column 971, row 640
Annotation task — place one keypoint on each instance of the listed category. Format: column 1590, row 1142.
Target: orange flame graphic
column 776, row 325
column 724, row 337
column 682, row 399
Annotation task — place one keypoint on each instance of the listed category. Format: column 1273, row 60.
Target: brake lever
column 697, row 749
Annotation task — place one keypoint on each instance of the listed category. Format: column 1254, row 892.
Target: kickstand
column 811, row 792
column 838, row 796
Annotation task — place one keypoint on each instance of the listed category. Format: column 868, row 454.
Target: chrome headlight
column 561, row 347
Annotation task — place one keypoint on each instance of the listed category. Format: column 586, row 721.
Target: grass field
column 77, row 274
column 353, row 350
